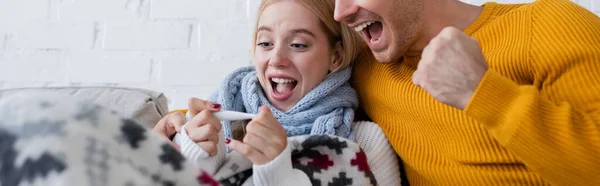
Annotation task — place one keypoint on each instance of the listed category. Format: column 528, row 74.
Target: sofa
column 145, row 106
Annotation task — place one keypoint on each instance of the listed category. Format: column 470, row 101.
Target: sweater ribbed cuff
column 493, row 103
column 199, row 156
column 279, row 172
column 381, row 157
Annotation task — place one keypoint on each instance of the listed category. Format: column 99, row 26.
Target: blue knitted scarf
column 327, row 109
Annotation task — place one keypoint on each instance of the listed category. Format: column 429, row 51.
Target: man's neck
column 441, row 14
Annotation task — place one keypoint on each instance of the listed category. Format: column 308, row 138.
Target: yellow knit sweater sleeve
column 183, row 111
column 552, row 126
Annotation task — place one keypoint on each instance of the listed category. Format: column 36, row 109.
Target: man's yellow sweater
column 534, row 119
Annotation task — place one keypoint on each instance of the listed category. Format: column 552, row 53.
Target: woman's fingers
column 165, row 126
column 269, row 148
column 205, row 117
column 257, row 128
column 176, row 119
column 265, row 117
column 166, row 129
column 206, row 136
column 196, row 106
column 204, row 133
column 249, row 152
column 274, row 141
column 203, row 127
column 266, row 135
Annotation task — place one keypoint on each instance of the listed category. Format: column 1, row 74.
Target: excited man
column 503, row 94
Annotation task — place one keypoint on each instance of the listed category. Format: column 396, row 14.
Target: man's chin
column 383, row 56
column 389, row 55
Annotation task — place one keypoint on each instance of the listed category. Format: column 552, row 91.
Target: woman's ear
column 337, row 58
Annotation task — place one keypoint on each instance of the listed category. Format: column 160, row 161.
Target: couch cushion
column 144, row 106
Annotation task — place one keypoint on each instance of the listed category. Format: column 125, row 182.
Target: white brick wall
column 147, row 36
column 180, row 47
column 53, row 35
column 18, row 11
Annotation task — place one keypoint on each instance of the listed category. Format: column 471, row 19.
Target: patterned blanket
column 46, row 142
column 326, row 160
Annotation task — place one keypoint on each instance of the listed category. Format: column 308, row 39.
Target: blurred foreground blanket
column 52, row 141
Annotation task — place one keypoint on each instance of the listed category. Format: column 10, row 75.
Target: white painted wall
column 180, row 47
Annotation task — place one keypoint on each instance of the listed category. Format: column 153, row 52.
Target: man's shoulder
column 552, row 18
column 561, row 11
column 547, row 19
column 563, row 31
column 558, row 4
column 544, row 4
column 544, row 8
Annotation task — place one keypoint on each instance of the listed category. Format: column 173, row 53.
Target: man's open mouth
column 371, row 31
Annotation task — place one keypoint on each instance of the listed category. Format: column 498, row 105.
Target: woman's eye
column 265, row 44
column 298, row 46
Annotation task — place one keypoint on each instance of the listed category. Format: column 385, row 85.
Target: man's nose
column 343, row 9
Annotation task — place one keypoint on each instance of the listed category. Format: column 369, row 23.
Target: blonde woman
column 298, row 86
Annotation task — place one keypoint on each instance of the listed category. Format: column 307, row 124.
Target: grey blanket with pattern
column 47, row 142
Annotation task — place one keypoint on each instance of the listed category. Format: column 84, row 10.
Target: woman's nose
column 279, row 58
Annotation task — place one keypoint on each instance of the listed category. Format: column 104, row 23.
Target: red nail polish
column 227, row 141
column 216, row 106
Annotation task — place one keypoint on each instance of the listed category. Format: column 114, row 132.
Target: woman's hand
column 265, row 138
column 203, row 127
column 167, row 126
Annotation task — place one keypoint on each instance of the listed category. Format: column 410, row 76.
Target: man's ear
column 337, row 57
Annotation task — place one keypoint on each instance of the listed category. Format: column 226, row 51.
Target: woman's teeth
column 363, row 26
column 282, row 80
column 283, row 85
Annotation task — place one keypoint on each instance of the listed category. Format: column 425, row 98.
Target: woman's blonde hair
column 324, row 10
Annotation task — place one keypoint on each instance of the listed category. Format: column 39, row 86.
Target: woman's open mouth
column 282, row 88
column 372, row 33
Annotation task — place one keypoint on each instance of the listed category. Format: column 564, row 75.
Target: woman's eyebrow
column 294, row 31
column 264, row 28
column 303, row 31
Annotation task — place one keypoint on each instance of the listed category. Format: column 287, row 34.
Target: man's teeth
column 363, row 26
column 282, row 80
column 373, row 40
